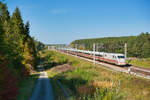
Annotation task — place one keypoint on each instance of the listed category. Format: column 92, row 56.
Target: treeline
column 137, row 46
column 18, row 53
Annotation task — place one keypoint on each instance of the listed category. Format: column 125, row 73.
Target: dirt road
column 43, row 89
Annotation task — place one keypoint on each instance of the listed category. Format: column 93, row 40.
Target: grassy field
column 87, row 82
column 26, row 87
column 145, row 63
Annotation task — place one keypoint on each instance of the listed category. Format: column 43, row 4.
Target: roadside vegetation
column 84, row 81
column 26, row 86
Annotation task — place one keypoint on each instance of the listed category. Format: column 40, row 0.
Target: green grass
column 58, row 92
column 26, row 86
column 145, row 63
column 87, row 81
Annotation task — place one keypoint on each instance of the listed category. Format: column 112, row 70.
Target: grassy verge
column 86, row 81
column 26, row 87
column 58, row 92
column 145, row 63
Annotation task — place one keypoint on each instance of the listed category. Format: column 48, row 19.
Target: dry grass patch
column 103, row 84
column 62, row 68
column 85, row 90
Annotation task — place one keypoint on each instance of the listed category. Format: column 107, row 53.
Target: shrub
column 8, row 83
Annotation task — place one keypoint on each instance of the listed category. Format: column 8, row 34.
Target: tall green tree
column 29, row 48
column 18, row 32
column 1, row 35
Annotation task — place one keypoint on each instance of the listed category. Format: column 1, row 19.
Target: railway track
column 133, row 70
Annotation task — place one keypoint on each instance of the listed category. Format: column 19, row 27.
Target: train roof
column 114, row 53
column 87, row 51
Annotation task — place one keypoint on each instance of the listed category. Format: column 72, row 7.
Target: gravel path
column 43, row 89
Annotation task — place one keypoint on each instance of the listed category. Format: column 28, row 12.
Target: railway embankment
column 143, row 63
column 82, row 80
column 130, row 69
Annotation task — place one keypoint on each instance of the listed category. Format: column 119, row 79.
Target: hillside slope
column 138, row 46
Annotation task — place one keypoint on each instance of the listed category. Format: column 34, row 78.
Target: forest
column 18, row 52
column 137, row 46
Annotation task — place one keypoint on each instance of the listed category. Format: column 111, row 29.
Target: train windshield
column 121, row 57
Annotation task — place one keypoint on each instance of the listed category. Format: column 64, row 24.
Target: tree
column 1, row 36
column 29, row 49
column 4, row 18
column 18, row 33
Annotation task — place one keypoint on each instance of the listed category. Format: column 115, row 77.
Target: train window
column 100, row 55
column 121, row 57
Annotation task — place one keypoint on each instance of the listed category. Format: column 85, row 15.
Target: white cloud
column 58, row 11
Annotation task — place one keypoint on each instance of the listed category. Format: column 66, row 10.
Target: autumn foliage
column 17, row 52
column 8, row 88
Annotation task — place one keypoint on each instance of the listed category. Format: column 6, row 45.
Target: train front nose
column 122, row 62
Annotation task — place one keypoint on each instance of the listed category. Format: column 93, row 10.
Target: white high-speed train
column 114, row 58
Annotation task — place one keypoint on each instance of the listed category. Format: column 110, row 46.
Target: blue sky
column 62, row 21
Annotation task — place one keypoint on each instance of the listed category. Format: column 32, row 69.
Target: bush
column 8, row 83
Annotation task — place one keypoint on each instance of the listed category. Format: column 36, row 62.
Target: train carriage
column 114, row 58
